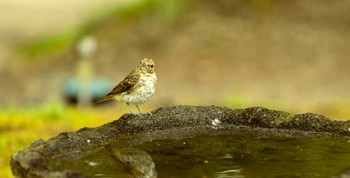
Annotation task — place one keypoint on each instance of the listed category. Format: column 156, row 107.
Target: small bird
column 136, row 88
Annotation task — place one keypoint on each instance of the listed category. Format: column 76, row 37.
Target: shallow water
column 220, row 156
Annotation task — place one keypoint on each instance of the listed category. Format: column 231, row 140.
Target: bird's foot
column 142, row 113
column 136, row 114
column 148, row 113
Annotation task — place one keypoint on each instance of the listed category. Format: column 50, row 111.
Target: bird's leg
column 139, row 109
column 129, row 108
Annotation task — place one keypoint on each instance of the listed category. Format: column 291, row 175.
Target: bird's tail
column 103, row 99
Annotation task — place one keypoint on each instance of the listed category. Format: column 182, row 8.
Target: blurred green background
column 284, row 55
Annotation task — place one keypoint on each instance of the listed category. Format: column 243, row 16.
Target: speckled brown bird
column 136, row 88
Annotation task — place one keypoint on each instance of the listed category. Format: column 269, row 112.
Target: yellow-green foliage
column 168, row 11
column 20, row 127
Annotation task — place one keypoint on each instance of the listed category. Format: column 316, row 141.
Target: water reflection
column 138, row 163
column 233, row 173
column 218, row 156
column 133, row 162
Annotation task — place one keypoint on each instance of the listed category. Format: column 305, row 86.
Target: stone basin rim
column 172, row 122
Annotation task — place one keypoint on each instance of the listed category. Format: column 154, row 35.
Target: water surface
column 220, row 156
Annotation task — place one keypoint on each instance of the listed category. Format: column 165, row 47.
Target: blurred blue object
column 99, row 87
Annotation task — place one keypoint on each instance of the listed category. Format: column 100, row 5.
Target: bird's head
column 147, row 66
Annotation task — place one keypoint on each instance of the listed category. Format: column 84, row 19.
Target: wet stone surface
column 172, row 123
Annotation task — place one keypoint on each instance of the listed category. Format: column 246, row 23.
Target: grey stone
column 177, row 122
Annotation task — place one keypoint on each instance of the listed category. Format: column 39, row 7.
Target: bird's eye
column 151, row 66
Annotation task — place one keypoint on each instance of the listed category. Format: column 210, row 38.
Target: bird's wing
column 128, row 83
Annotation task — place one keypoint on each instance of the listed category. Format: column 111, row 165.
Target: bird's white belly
column 141, row 93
